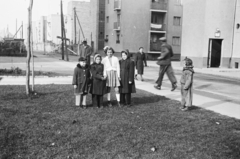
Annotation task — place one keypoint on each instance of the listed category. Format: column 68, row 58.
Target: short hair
column 84, row 42
column 110, row 48
column 140, row 48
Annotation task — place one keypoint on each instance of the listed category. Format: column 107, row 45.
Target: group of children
column 103, row 75
column 107, row 73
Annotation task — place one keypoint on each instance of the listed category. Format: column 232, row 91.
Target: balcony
column 116, row 26
column 158, row 27
column 159, row 6
column 117, row 5
column 155, row 47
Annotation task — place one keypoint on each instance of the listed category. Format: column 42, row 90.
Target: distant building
column 130, row 24
column 83, row 14
column 54, row 28
column 211, row 33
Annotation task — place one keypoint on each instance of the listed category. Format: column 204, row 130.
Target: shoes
column 101, row 107
column 157, row 87
column 84, row 106
column 142, row 79
column 128, row 105
column 185, row 109
column 120, row 105
column 109, row 104
column 174, row 87
column 135, row 77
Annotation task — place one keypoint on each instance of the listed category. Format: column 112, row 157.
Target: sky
column 16, row 10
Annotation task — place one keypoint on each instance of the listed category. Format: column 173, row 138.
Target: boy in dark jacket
column 98, row 86
column 127, row 79
column 187, row 84
column 81, row 79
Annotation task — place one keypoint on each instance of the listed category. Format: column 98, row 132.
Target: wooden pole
column 65, row 43
column 62, row 32
column 75, row 27
column 28, row 47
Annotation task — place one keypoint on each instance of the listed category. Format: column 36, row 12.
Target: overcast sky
column 10, row 10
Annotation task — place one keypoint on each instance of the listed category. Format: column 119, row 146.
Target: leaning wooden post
column 28, row 47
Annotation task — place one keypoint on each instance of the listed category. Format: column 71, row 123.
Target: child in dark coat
column 127, row 79
column 81, row 79
column 187, row 85
column 98, row 87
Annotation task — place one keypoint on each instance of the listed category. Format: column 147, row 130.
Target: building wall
column 94, row 23
column 192, row 30
column 236, row 42
column 174, row 9
column 54, row 28
column 201, row 19
column 83, row 13
column 109, row 12
column 135, row 24
column 135, row 21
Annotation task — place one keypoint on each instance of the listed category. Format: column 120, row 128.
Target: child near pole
column 112, row 74
column 187, row 85
column 81, row 79
column 127, row 79
column 98, row 86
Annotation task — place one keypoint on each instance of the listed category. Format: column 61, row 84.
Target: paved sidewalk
column 217, row 105
column 222, row 72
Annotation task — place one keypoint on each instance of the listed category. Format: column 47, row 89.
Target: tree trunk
column 28, row 47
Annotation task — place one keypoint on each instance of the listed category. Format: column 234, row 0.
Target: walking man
column 164, row 61
column 85, row 51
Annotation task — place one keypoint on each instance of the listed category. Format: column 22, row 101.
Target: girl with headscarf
column 127, row 79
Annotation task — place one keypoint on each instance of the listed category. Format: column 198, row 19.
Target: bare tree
column 29, row 46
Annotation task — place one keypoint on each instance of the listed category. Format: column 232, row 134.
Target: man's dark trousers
column 169, row 71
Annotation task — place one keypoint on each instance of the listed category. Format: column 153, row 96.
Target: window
column 118, row 38
column 107, row 19
column 176, row 21
column 176, row 41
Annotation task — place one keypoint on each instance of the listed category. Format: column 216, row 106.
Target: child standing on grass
column 127, row 79
column 112, row 74
column 98, row 87
column 187, row 84
column 81, row 79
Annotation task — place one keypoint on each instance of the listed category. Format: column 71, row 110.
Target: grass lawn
column 49, row 126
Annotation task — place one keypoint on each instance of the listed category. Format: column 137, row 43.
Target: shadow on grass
column 148, row 99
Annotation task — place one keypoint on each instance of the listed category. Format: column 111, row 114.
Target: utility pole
column 16, row 28
column 62, row 23
column 75, row 26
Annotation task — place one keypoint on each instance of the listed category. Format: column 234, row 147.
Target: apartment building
column 211, row 33
column 130, row 24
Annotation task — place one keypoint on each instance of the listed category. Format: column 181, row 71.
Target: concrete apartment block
column 209, row 33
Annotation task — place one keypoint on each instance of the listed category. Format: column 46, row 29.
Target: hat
column 105, row 48
column 188, row 61
column 96, row 55
column 81, row 59
column 162, row 39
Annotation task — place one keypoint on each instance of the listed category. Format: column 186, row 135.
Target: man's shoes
column 157, row 87
column 109, row 104
column 174, row 87
column 135, row 77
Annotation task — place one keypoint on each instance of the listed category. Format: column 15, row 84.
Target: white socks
column 78, row 100
column 108, row 96
column 118, row 97
column 84, row 100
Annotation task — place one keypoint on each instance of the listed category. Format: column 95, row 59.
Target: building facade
column 130, row 24
column 76, row 33
column 211, row 33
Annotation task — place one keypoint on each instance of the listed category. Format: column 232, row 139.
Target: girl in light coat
column 112, row 74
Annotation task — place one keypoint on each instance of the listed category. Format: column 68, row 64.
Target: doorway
column 214, row 52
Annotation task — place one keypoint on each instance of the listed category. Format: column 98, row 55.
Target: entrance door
column 214, row 52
